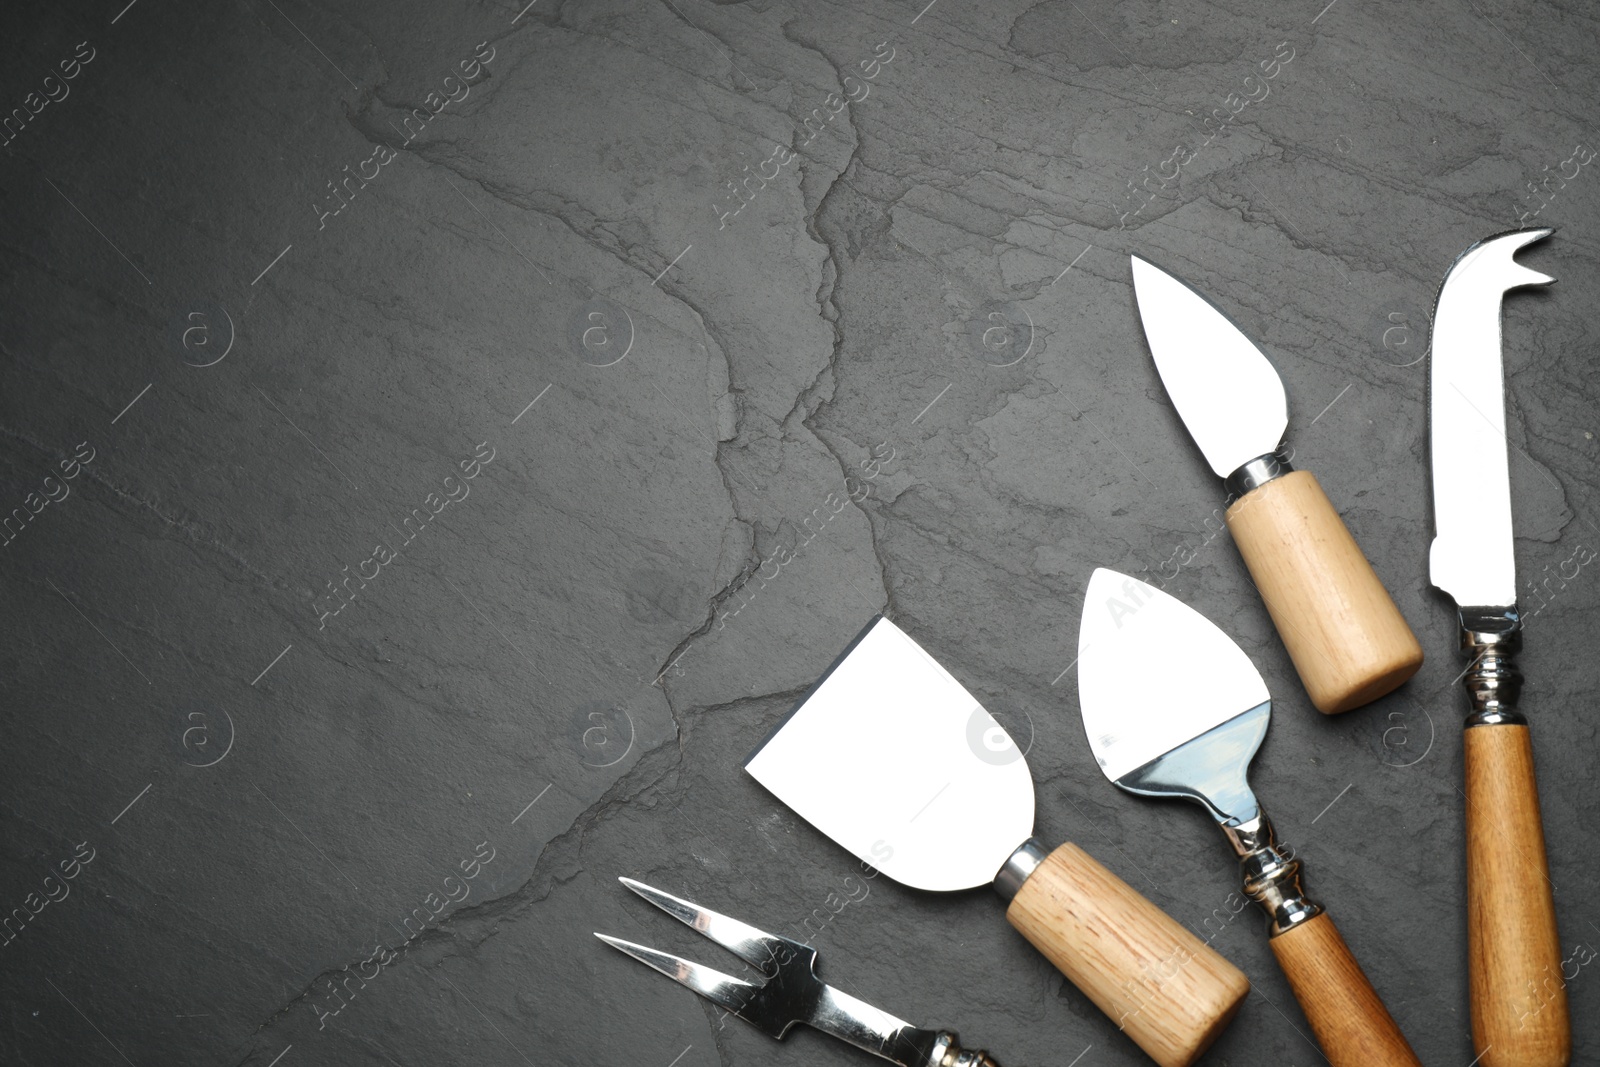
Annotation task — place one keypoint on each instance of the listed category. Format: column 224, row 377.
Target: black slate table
column 423, row 431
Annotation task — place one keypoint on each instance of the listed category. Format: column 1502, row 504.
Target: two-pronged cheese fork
column 791, row 993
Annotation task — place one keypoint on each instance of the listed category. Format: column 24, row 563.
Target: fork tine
column 756, row 947
column 721, row 989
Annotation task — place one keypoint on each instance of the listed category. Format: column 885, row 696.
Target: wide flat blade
column 1153, row 673
column 1228, row 393
column 892, row 758
column 1472, row 557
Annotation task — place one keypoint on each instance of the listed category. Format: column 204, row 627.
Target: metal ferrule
column 1018, row 866
column 947, row 1052
column 1256, row 473
column 1271, row 875
column 1492, row 636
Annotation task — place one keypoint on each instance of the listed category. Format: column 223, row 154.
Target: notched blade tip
column 1527, row 275
column 1513, row 274
column 1517, row 240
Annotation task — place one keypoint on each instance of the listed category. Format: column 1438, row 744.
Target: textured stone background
column 564, row 636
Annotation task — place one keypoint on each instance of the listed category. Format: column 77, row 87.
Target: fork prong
column 721, row 989
column 756, row 947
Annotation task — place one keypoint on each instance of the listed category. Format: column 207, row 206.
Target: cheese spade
column 893, row 759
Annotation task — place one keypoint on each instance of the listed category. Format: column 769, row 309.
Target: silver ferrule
column 1256, row 473
column 947, row 1052
column 1017, row 867
column 1271, row 875
column 1492, row 636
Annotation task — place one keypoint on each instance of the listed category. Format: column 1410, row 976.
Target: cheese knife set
column 891, row 757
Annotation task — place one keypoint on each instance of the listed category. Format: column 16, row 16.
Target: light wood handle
column 1351, row 1023
column 1519, row 1000
column 1160, row 983
column 1346, row 637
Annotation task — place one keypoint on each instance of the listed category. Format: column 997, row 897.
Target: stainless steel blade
column 1472, row 557
column 892, row 758
column 1153, row 673
column 1228, row 393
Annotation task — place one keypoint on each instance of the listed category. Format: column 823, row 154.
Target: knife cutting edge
column 892, row 758
column 791, row 992
column 1341, row 628
column 1173, row 708
column 1519, row 1017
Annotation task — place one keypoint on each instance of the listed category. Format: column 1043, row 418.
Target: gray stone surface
column 565, row 635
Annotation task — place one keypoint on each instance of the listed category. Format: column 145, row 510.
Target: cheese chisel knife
column 893, row 759
column 790, row 992
column 1519, row 999
column 1173, row 708
column 1347, row 639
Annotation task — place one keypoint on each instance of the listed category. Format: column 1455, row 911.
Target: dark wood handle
column 1163, row 986
column 1348, row 641
column 1519, row 999
column 1351, row 1023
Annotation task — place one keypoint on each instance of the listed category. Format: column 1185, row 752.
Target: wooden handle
column 1160, row 983
column 1519, row 1000
column 1351, row 1023
column 1346, row 637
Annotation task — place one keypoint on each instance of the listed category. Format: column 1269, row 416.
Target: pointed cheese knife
column 892, row 758
column 1347, row 639
column 1173, row 708
column 1519, row 1016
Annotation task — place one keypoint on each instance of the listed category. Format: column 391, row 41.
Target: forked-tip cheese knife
column 1173, row 708
column 1348, row 641
column 893, row 759
column 1519, row 1000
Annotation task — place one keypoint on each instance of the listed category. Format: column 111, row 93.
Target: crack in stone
column 829, row 309
column 556, row 864
column 651, row 768
column 193, row 532
column 725, row 49
column 616, row 248
column 718, row 598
